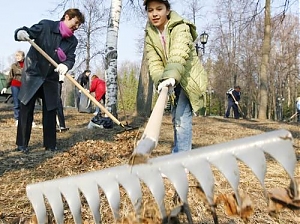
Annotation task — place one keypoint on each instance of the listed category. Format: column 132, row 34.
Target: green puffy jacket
column 181, row 62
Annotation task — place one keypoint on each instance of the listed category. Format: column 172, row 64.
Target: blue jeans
column 182, row 117
column 15, row 92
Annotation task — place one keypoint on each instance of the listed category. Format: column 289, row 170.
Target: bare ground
column 83, row 150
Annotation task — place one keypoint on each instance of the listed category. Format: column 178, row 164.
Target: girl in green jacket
column 173, row 62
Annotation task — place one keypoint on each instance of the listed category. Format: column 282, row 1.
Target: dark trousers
column 60, row 109
column 298, row 115
column 26, row 118
column 15, row 92
column 77, row 98
column 235, row 108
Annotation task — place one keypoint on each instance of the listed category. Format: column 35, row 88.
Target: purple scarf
column 61, row 54
column 64, row 30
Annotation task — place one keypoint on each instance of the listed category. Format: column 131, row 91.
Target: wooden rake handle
column 240, row 109
column 149, row 139
column 294, row 115
column 83, row 90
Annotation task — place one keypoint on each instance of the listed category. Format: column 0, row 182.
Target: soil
column 83, row 150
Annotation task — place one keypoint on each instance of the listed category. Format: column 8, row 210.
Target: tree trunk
column 262, row 114
column 145, row 90
column 111, row 57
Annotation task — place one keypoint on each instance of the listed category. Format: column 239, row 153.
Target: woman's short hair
column 74, row 13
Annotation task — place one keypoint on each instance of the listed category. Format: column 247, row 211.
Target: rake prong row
column 250, row 150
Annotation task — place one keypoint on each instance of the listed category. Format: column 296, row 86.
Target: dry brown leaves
column 84, row 150
column 280, row 198
column 231, row 205
column 150, row 215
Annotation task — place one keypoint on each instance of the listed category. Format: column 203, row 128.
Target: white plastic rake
column 250, row 150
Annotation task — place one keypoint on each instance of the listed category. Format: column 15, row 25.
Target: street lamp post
column 280, row 100
column 203, row 40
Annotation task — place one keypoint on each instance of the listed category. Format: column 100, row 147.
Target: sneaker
column 62, row 129
column 23, row 149
column 95, row 113
column 16, row 123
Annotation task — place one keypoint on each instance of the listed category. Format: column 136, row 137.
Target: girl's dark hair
column 74, row 13
column 165, row 2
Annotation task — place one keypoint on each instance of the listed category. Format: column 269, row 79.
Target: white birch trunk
column 111, row 56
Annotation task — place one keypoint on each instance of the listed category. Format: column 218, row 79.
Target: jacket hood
column 176, row 19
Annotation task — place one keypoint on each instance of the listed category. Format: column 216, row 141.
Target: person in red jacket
column 99, row 87
column 14, row 81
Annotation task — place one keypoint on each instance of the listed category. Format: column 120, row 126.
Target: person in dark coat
column 234, row 96
column 84, row 80
column 40, row 78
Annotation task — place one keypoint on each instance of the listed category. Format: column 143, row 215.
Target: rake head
column 250, row 150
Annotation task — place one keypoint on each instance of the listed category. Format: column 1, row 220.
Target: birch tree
column 89, row 34
column 111, row 56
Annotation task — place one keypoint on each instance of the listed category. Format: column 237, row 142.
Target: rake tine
column 224, row 156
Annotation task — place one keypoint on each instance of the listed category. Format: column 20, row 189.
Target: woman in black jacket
column 84, row 80
column 40, row 78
